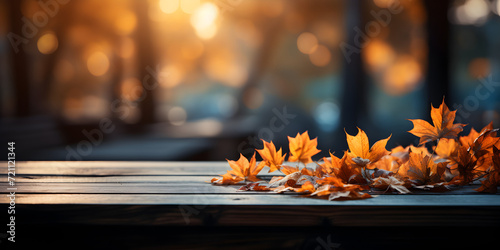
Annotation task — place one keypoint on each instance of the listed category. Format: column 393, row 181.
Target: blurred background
column 206, row 80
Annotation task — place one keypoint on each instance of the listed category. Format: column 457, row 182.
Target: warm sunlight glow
column 169, row 6
column 321, row 56
column 98, row 63
column 378, row 54
column 170, row 76
column 403, row 76
column 203, row 20
column 226, row 67
column 126, row 23
column 47, row 43
column 189, row 6
column 307, row 43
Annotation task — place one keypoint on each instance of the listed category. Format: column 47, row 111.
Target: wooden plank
column 261, row 215
column 99, row 168
column 122, row 188
column 115, row 179
column 105, row 168
column 243, row 199
column 244, row 238
column 185, row 185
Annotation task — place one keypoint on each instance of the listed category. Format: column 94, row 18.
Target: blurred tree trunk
column 146, row 62
column 354, row 96
column 437, row 41
column 20, row 68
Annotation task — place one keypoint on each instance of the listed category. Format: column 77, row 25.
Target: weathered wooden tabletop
column 178, row 195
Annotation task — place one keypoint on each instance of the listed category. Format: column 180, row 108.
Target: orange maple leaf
column 403, row 154
column 349, row 173
column 302, row 148
column 271, row 158
column 485, row 141
column 473, row 135
column 227, row 179
column 390, row 182
column 306, row 187
column 447, row 148
column 442, row 118
column 244, row 168
column 492, row 180
column 469, row 163
column 388, row 164
column 422, row 169
column 360, row 151
column 331, row 180
column 482, row 148
column 331, row 165
column 289, row 169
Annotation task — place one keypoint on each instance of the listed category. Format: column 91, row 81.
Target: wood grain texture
column 113, row 168
column 258, row 215
column 246, row 199
column 161, row 205
column 114, row 179
column 162, row 185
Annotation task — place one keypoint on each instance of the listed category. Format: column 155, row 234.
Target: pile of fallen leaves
column 455, row 161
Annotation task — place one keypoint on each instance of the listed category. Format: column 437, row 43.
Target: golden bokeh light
column 168, row 6
column 207, row 32
column 47, row 43
column 126, row 23
column 170, row 76
column 189, row 6
column 327, row 33
column 402, row 76
column 321, row 56
column 378, row 55
column 479, row 68
column 98, row 63
column 227, row 67
column 80, row 108
column 204, row 20
column 307, row 43
column 155, row 13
